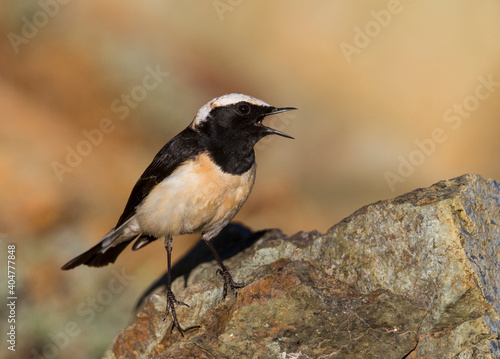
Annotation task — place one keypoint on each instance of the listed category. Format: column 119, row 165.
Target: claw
column 171, row 302
column 229, row 282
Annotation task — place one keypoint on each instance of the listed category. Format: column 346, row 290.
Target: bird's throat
column 233, row 158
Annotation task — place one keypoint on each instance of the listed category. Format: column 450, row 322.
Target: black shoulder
column 179, row 149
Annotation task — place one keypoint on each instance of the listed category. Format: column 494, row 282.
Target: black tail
column 102, row 254
column 97, row 256
column 107, row 250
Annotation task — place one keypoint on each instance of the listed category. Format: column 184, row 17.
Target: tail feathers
column 98, row 256
column 142, row 241
column 110, row 246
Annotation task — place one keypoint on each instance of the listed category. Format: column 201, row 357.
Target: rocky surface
column 416, row 276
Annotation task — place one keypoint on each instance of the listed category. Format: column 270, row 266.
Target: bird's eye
column 244, row 109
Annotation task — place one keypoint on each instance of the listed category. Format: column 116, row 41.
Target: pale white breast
column 196, row 197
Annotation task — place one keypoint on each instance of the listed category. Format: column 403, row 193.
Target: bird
column 196, row 183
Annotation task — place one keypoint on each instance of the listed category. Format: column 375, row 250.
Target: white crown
column 223, row 100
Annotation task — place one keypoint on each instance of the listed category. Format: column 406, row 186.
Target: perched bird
column 196, row 183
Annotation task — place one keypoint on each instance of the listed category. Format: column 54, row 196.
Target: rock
column 412, row 277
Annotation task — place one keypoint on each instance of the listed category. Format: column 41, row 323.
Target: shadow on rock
column 233, row 239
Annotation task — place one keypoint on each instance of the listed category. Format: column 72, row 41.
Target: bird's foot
column 229, row 282
column 171, row 302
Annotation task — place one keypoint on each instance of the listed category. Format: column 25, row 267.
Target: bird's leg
column 228, row 279
column 171, row 301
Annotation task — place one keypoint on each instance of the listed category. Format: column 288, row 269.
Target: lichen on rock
column 410, row 277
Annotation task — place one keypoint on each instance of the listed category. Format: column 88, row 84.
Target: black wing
column 180, row 148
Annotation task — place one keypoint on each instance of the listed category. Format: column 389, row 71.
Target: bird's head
column 236, row 116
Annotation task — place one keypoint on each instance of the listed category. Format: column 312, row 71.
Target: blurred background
column 392, row 96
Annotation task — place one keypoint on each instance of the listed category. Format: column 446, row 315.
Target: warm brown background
column 359, row 117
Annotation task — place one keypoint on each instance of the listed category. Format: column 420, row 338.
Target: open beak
column 272, row 131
